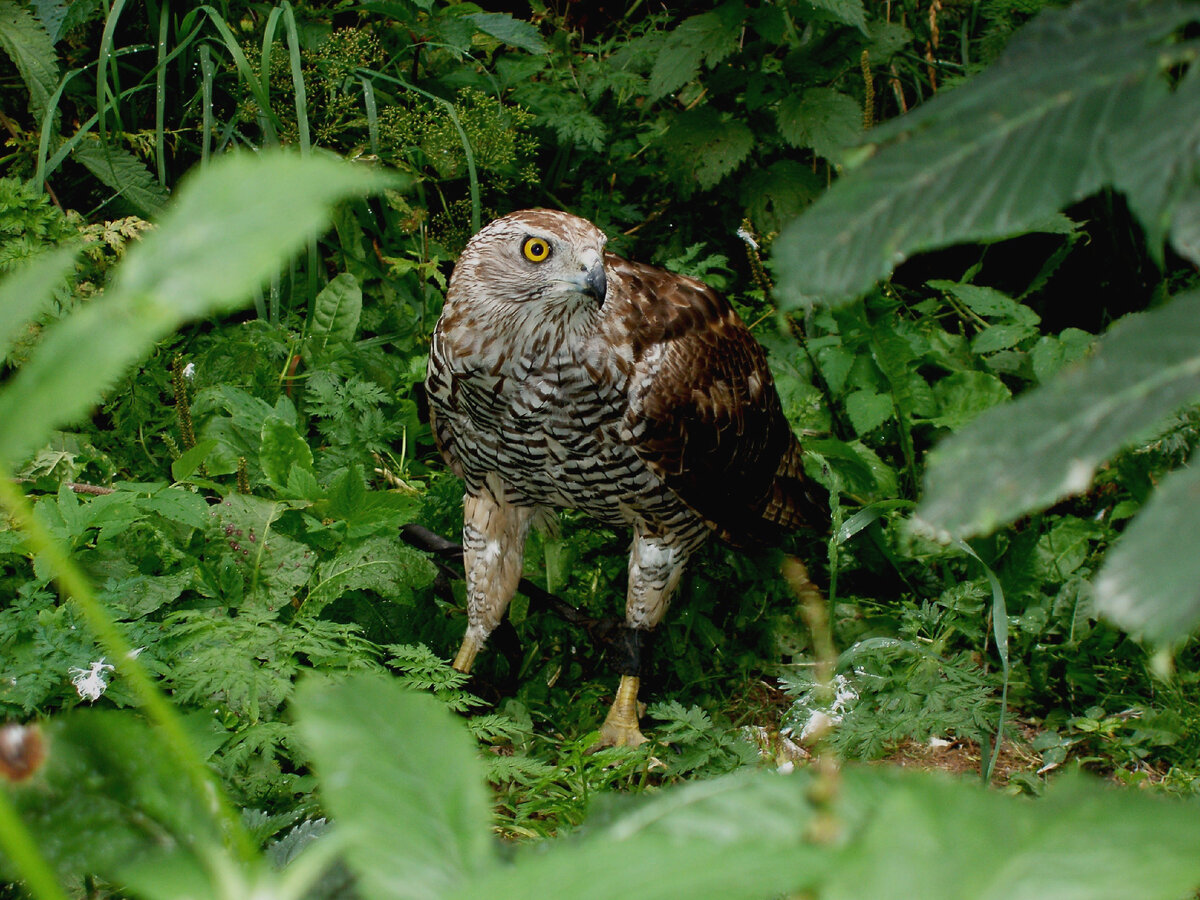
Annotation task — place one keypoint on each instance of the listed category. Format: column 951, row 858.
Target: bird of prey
column 562, row 376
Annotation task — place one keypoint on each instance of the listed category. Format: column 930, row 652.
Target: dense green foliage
column 221, row 437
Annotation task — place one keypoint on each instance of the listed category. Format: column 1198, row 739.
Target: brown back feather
column 704, row 412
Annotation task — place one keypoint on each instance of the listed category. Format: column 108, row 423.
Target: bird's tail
column 796, row 501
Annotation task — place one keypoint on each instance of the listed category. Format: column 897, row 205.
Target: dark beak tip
column 597, row 283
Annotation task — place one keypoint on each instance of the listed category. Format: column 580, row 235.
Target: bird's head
column 536, row 258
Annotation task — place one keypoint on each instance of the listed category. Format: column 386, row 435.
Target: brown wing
column 704, row 412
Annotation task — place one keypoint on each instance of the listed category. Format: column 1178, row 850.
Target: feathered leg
column 655, row 566
column 494, row 533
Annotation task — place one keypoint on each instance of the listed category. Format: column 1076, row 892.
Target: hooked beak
column 592, row 279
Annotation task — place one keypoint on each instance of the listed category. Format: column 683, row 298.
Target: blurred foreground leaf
column 227, row 230
column 1001, row 154
column 401, row 775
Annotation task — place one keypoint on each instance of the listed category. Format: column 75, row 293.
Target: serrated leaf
column 826, row 120
column 775, row 195
column 961, row 396
column 337, row 310
column 703, row 147
column 988, row 302
column 1156, row 164
column 992, row 158
column 509, row 30
column 868, row 409
column 226, row 232
column 849, row 12
column 31, row 50
column 1001, row 337
column 125, row 174
column 383, row 565
column 705, row 38
column 400, row 774
column 1046, row 445
column 1150, row 581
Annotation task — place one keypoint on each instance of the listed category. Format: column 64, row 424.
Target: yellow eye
column 535, row 249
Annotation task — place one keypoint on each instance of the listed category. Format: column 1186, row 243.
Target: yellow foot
column 466, row 653
column 620, row 728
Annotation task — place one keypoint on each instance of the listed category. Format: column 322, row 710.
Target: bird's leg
column 494, row 533
column 654, row 570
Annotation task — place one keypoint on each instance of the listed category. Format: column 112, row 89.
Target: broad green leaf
column 775, row 195
column 942, row 839
column 1158, row 169
column 703, row 147
column 729, row 838
column 849, row 12
column 868, row 409
column 125, row 174
column 191, row 460
column 400, row 774
column 987, row 302
column 1047, row 444
column 993, row 158
column 282, row 447
column 380, row 564
column 961, row 396
column 826, row 120
column 1150, row 581
column 337, row 310
column 25, row 292
column 707, row 38
column 514, row 32
column 107, row 785
column 225, row 233
column 31, row 50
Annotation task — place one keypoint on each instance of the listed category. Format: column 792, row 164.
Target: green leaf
column 337, row 310
column 514, row 32
column 1150, row 581
column 826, row 120
column 849, row 12
column 1157, row 163
column 775, row 195
column 992, row 158
column 707, row 38
column 961, row 396
column 380, row 564
column 125, row 174
column 868, row 409
column 1082, row 841
column 29, row 290
column 729, row 838
column 282, row 447
column 1046, row 445
column 191, row 460
column 226, row 232
column 703, row 147
column 400, row 774
column 107, row 784
column 31, row 50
